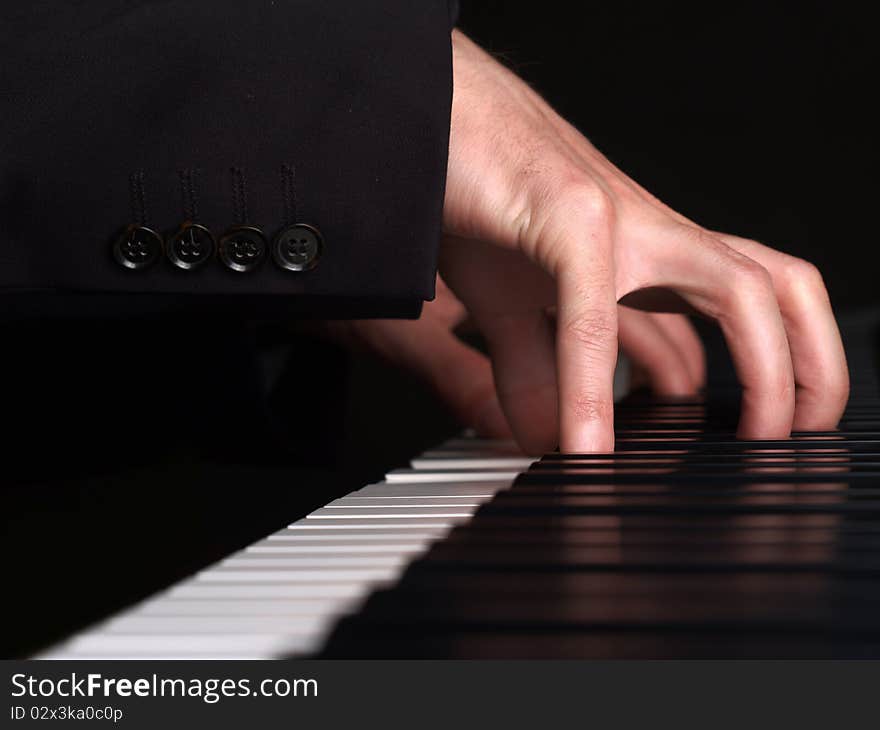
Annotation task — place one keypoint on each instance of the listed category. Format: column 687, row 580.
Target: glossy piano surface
column 683, row 543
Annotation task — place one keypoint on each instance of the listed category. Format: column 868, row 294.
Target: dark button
column 242, row 248
column 137, row 247
column 191, row 246
column 298, row 247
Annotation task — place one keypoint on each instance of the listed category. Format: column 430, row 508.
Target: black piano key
column 695, row 539
column 633, row 476
column 606, row 560
column 670, row 487
column 511, row 557
column 742, row 448
column 719, row 499
column 584, row 613
column 733, row 457
column 722, row 462
column 506, row 586
column 351, row 641
column 713, row 461
column 512, row 523
column 509, row 504
column 407, row 606
column 697, row 433
column 685, row 542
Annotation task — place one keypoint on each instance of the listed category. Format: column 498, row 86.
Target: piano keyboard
column 683, row 543
column 281, row 596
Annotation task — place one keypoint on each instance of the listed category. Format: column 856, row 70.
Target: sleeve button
column 242, row 248
column 298, row 247
column 191, row 246
column 137, row 247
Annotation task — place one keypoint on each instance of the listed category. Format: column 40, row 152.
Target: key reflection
column 752, row 543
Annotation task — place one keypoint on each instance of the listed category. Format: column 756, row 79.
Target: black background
column 134, row 455
column 754, row 118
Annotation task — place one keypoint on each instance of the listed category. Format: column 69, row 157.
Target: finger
column 524, row 365
column 586, row 338
column 446, row 307
column 650, row 348
column 819, row 361
column 460, row 375
column 738, row 293
column 681, row 332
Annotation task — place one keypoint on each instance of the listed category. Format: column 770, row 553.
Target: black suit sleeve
column 119, row 117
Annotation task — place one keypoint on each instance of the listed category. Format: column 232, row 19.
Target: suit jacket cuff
column 329, row 113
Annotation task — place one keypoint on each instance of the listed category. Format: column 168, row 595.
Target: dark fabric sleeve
column 263, row 113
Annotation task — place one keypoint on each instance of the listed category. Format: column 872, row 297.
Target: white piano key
column 442, row 453
column 405, row 476
column 301, row 575
column 281, row 595
column 375, row 523
column 316, row 561
column 251, row 655
column 171, row 606
column 335, row 537
column 391, row 511
column 491, row 446
column 167, row 646
column 482, row 490
column 403, row 501
column 388, row 513
column 471, row 462
column 195, row 625
column 295, row 590
column 89, row 656
column 408, row 548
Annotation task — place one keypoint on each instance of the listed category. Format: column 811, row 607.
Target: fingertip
column 763, row 417
column 588, row 437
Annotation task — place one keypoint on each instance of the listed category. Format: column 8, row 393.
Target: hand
column 429, row 347
column 664, row 350
column 537, row 218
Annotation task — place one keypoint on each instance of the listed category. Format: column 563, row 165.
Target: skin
column 558, row 257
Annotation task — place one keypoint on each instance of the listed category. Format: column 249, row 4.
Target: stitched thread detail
column 137, row 198
column 189, row 200
column 288, row 195
column 239, row 195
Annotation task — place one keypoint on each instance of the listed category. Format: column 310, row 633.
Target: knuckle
column 837, row 389
column 587, row 201
column 558, row 202
column 800, row 273
column 747, row 278
column 595, row 331
column 698, row 236
column 586, row 408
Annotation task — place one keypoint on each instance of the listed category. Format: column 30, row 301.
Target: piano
column 683, row 543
